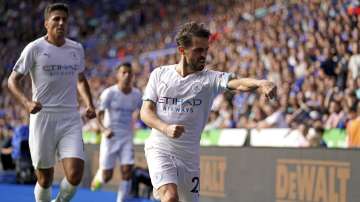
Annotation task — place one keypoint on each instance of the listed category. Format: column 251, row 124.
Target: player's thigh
column 162, row 168
column 126, row 153
column 70, row 142
column 188, row 185
column 109, row 153
column 42, row 141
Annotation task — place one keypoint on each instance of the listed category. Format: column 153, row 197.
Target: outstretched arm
column 13, row 85
column 149, row 116
column 267, row 88
column 84, row 90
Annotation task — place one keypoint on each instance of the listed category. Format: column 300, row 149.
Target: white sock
column 99, row 176
column 67, row 191
column 124, row 190
column 42, row 194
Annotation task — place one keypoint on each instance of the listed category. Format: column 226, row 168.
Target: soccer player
column 118, row 105
column 55, row 64
column 176, row 105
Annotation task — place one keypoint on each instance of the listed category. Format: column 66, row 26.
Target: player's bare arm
column 265, row 87
column 107, row 132
column 84, row 90
column 149, row 116
column 13, row 84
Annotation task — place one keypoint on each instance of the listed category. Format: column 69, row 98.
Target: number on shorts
column 196, row 187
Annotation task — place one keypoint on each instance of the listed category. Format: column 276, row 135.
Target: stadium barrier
column 263, row 174
column 271, row 137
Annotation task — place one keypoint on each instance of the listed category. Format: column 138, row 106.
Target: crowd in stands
column 310, row 49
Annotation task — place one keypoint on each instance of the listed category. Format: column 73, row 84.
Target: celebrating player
column 176, row 105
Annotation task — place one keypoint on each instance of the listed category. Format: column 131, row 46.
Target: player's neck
column 183, row 68
column 55, row 41
column 124, row 88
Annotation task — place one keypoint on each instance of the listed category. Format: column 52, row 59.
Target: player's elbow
column 11, row 83
column 143, row 113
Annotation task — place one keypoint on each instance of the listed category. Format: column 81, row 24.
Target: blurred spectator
column 353, row 128
column 314, row 135
column 335, row 115
column 297, row 137
column 354, row 62
column 6, row 147
column 275, row 117
column 25, row 173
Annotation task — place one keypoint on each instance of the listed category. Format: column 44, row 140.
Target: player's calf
column 101, row 177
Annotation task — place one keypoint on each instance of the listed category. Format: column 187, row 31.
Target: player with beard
column 176, row 105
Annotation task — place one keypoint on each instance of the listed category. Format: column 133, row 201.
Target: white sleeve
column 104, row 100
column 150, row 90
column 25, row 61
column 221, row 81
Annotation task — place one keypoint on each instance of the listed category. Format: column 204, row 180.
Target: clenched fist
column 90, row 113
column 108, row 133
column 33, row 107
column 174, row 131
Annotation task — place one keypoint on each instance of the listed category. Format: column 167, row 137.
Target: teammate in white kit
column 118, row 104
column 55, row 64
column 176, row 105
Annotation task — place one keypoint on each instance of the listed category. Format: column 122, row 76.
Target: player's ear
column 46, row 24
column 181, row 50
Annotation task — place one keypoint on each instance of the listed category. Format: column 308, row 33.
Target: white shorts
column 116, row 148
column 165, row 168
column 55, row 134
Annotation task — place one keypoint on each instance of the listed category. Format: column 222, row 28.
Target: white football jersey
column 119, row 107
column 186, row 101
column 53, row 71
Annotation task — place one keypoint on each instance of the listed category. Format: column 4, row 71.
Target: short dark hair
column 56, row 6
column 188, row 30
column 125, row 64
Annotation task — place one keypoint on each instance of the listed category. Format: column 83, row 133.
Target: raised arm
column 84, row 90
column 265, row 87
column 149, row 116
column 13, row 85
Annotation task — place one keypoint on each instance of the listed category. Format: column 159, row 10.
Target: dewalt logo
column 311, row 180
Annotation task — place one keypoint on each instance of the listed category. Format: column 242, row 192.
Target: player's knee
column 74, row 177
column 44, row 182
column 107, row 176
column 170, row 197
column 126, row 175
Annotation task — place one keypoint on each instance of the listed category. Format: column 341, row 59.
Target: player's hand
column 108, row 133
column 90, row 112
column 268, row 88
column 174, row 131
column 33, row 107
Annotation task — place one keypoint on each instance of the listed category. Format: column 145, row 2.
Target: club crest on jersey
column 196, row 87
column 73, row 55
